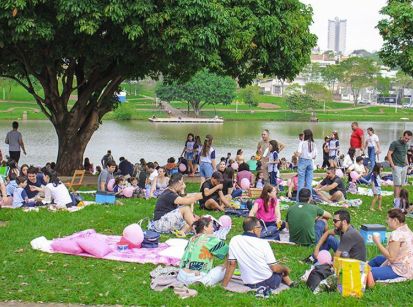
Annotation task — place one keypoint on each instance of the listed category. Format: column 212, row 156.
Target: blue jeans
column 305, row 174
column 371, row 151
column 330, row 243
column 381, row 272
column 273, row 282
column 273, row 178
column 205, row 169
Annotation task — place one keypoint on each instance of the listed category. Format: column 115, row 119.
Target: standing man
column 15, row 141
column 397, row 156
column 357, row 139
column 262, row 151
column 106, row 158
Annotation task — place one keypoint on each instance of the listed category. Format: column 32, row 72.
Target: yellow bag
column 351, row 276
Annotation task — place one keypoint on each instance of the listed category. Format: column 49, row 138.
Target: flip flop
column 184, row 292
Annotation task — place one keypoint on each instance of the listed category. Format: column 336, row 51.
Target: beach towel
column 345, row 204
column 368, row 192
column 135, row 255
column 236, row 285
column 391, row 281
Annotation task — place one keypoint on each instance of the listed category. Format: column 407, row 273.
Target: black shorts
column 204, row 200
column 15, row 156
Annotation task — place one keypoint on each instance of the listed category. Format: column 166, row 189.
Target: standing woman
column 373, row 146
column 207, row 162
column 307, row 152
column 197, row 152
column 334, row 149
column 188, row 152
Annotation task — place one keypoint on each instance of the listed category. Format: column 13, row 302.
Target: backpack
column 319, row 273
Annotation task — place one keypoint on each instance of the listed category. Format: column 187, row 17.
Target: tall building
column 337, row 35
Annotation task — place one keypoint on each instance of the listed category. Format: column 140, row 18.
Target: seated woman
column 292, row 187
column 361, row 170
column 244, row 172
column 239, row 158
column 396, row 260
column 161, row 182
column 267, row 210
column 228, row 189
column 88, row 167
column 23, row 170
column 55, row 191
column 348, row 161
column 197, row 261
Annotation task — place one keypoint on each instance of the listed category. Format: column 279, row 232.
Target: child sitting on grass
column 20, row 198
column 260, row 182
column 376, row 186
column 119, row 185
column 405, row 205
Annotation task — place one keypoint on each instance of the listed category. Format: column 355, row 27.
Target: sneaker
column 309, row 260
column 267, row 293
column 259, row 293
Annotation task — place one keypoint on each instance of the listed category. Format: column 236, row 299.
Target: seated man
column 331, row 188
column 255, row 259
column 35, row 183
column 106, row 175
column 212, row 196
column 351, row 242
column 307, row 223
column 172, row 211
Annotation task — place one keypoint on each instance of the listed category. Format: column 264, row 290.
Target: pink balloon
column 182, row 167
column 128, row 191
column 324, row 257
column 339, row 173
column 111, row 183
column 354, row 175
column 234, row 166
column 225, row 221
column 134, row 234
column 245, row 183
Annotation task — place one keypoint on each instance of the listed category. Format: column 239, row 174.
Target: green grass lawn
column 33, row 276
column 140, row 106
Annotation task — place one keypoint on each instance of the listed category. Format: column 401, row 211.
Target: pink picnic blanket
column 137, row 255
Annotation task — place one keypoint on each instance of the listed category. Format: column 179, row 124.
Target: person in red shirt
column 357, row 139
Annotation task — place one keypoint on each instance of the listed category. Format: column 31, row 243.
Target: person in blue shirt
column 20, row 198
column 34, row 183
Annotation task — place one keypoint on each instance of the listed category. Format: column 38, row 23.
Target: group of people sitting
column 307, row 225
column 29, row 186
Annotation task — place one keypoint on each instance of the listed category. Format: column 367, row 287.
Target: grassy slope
column 141, row 106
column 34, row 276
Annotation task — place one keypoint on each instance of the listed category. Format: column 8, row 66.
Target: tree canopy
column 358, row 73
column 202, row 89
column 84, row 49
column 396, row 30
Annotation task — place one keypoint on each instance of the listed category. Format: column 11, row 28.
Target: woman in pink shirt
column 266, row 207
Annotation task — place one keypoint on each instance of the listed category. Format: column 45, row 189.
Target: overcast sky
column 362, row 17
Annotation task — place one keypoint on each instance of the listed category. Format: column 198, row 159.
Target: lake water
column 158, row 142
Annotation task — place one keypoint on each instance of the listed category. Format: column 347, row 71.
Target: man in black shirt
column 351, row 241
column 331, row 189
column 172, row 211
column 212, row 196
column 125, row 167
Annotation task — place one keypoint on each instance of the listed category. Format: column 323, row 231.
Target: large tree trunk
column 73, row 140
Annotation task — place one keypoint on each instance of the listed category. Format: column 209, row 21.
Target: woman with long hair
column 188, row 152
column 307, row 152
column 267, row 209
column 207, row 163
column 197, row 262
column 396, row 260
column 55, row 191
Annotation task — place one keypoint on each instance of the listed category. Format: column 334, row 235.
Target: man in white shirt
column 255, row 259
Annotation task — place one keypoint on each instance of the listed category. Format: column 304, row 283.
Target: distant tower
column 337, row 35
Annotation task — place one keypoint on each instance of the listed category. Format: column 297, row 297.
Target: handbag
column 351, row 276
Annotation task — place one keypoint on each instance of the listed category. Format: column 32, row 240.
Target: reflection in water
column 157, row 142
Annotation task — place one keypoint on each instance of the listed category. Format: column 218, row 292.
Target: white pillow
column 177, row 242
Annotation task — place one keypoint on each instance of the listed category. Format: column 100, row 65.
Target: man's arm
column 327, row 215
column 187, row 200
column 22, row 144
column 329, row 187
column 322, row 240
column 208, row 192
column 231, row 266
column 278, row 268
column 7, row 139
column 281, row 146
column 389, row 153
